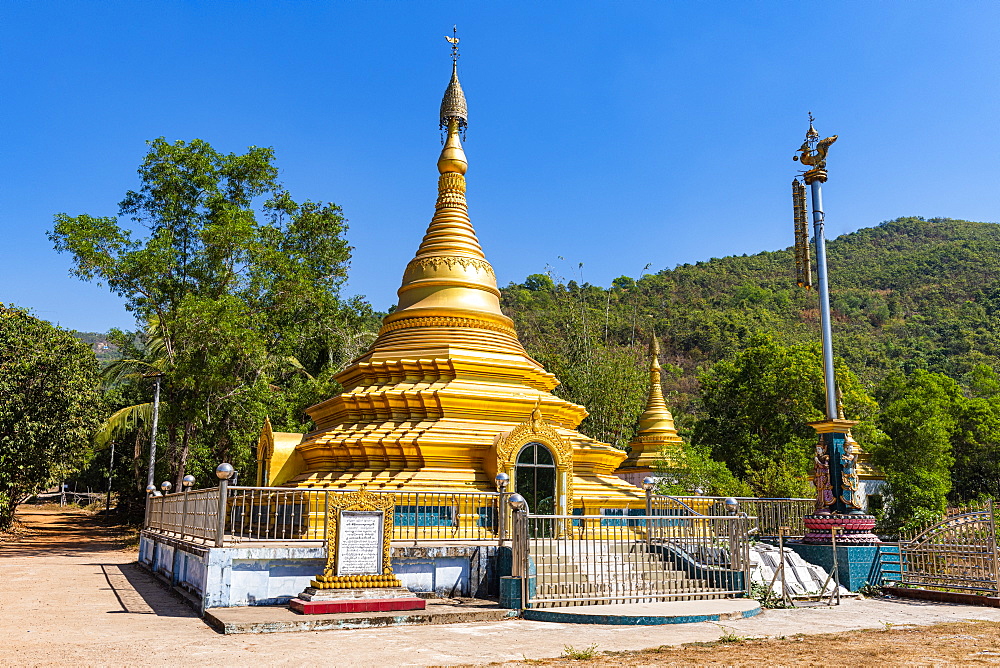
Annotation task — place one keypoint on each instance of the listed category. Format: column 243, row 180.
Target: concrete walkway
column 69, row 596
column 649, row 614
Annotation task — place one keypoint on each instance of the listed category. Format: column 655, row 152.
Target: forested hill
column 908, row 293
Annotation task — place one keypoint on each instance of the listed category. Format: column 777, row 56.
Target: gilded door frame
column 536, row 430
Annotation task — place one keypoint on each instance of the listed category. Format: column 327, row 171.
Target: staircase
column 599, row 572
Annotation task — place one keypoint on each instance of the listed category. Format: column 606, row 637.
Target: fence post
column 326, row 517
column 744, row 531
column 224, row 472
column 785, row 596
column 519, row 544
column 649, row 484
column 149, row 505
column 165, row 486
column 220, row 528
column 186, row 482
column 735, row 548
column 993, row 546
column 502, row 519
column 501, row 481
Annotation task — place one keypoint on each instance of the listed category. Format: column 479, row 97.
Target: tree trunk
column 183, row 456
column 173, row 452
column 137, row 462
column 8, row 505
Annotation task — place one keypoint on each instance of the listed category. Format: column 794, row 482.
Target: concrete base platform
column 278, row 619
column 648, row 614
column 315, row 607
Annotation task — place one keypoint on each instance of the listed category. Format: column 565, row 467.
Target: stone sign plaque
column 360, row 542
column 357, row 541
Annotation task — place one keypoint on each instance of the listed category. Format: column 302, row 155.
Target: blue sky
column 616, row 134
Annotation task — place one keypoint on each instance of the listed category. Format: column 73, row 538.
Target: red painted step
column 356, row 605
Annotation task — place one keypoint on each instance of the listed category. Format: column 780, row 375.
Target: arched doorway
column 535, row 478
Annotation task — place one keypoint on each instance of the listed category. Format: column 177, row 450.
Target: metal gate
column 957, row 553
column 592, row 559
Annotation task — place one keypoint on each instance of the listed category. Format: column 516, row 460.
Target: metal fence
column 276, row 514
column 769, row 513
column 958, row 552
column 191, row 514
column 585, row 559
column 293, row 514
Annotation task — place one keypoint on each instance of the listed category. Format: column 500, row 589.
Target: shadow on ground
column 141, row 593
column 62, row 533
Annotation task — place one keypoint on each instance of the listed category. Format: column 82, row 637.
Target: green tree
column 537, row 282
column 918, row 416
column 239, row 286
column 692, row 468
column 50, row 403
column 757, row 406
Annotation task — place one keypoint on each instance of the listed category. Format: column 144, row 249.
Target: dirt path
column 70, row 595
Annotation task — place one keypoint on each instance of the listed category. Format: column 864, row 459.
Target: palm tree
column 138, row 418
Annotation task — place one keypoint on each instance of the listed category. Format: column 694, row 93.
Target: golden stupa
column 446, row 397
column 656, row 438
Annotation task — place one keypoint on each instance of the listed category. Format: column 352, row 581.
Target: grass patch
column 570, row 652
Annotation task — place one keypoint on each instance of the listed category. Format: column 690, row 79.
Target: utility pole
column 156, row 376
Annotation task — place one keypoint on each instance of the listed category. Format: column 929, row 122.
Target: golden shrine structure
column 656, row 439
column 446, row 396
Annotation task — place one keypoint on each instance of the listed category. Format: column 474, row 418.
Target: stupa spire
column 656, row 434
column 657, row 417
column 450, row 270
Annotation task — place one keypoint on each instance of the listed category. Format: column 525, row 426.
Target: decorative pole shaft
column 840, row 498
column 816, row 188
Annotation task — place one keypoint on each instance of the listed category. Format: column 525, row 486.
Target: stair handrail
column 676, row 500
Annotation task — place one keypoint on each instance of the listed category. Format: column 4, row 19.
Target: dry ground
column 972, row 643
column 69, row 594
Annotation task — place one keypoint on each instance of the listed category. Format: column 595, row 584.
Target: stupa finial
column 453, row 106
column 811, row 133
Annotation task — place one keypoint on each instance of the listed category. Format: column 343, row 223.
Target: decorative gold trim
column 452, row 181
column 815, row 175
column 359, row 500
column 450, row 261
column 659, row 437
column 265, row 451
column 836, row 425
column 444, row 321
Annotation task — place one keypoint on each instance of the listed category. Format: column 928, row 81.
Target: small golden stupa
column 446, row 397
column 657, row 436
